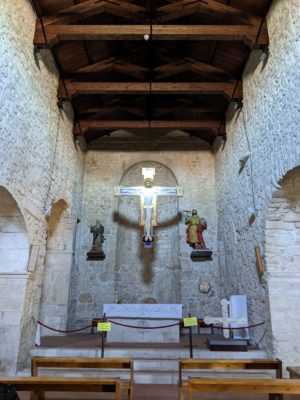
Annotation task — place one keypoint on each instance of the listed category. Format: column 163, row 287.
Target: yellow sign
column 104, row 327
column 191, row 321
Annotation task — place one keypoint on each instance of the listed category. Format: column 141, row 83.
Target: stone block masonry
column 39, row 163
column 267, row 128
column 131, row 273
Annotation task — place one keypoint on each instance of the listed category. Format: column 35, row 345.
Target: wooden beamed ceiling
column 183, row 77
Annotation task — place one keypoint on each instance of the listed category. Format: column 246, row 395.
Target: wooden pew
column 96, row 363
column 41, row 384
column 224, row 365
column 273, row 387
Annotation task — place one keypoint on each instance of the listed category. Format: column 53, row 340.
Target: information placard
column 191, row 321
column 104, row 326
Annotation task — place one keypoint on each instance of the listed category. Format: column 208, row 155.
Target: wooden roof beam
column 54, row 33
column 69, row 89
column 90, row 8
column 211, row 8
column 113, row 64
column 188, row 64
column 83, row 126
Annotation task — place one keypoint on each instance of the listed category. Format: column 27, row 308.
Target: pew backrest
column 242, row 385
column 124, row 364
column 198, row 365
column 38, row 385
column 229, row 364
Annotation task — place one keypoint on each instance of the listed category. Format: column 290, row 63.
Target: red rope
column 144, row 327
column 61, row 331
column 242, row 327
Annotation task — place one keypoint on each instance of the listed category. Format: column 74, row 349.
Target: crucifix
column 148, row 195
column 225, row 320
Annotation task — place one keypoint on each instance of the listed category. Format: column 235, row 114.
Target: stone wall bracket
column 201, row 255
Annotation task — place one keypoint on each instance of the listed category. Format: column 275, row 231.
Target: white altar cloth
column 145, row 316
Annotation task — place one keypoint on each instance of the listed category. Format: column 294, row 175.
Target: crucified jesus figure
column 148, row 195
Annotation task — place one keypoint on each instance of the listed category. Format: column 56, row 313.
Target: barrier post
column 191, row 340
column 103, row 334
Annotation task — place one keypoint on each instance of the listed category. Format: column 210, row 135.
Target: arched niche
column 58, row 263
column 142, row 272
column 282, row 253
column 14, row 257
column 14, row 243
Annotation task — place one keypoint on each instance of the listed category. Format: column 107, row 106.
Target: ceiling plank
column 55, row 33
column 211, row 8
column 83, row 126
column 69, row 89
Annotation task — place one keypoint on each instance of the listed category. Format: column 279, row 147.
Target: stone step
column 144, row 353
column 154, row 366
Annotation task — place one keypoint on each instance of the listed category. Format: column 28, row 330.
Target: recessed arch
column 150, row 163
column 58, row 263
column 14, row 256
column 14, row 240
column 153, row 272
column 282, row 256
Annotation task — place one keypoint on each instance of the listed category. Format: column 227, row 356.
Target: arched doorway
column 148, row 272
column 58, row 262
column 282, row 254
column 14, row 256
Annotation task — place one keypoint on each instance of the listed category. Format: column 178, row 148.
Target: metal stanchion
column 103, row 335
column 191, row 340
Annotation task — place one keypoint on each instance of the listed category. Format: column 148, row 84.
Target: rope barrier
column 144, row 327
column 62, row 331
column 242, row 327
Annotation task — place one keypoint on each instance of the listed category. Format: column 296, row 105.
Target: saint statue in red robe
column 195, row 227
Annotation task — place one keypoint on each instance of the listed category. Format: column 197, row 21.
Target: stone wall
column 39, row 162
column 267, row 129
column 95, row 283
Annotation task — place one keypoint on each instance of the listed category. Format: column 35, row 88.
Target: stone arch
column 282, row 256
column 142, row 272
column 14, row 256
column 58, row 263
column 147, row 163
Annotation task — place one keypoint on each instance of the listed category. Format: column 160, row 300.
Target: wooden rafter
column 84, row 126
column 103, row 107
column 91, row 8
column 69, row 89
column 188, row 64
column 163, row 71
column 54, row 33
column 113, row 64
column 211, row 8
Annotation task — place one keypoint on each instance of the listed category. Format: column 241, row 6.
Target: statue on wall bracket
column 148, row 199
column 194, row 236
column 96, row 252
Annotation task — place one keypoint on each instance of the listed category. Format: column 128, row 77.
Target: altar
column 146, row 317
